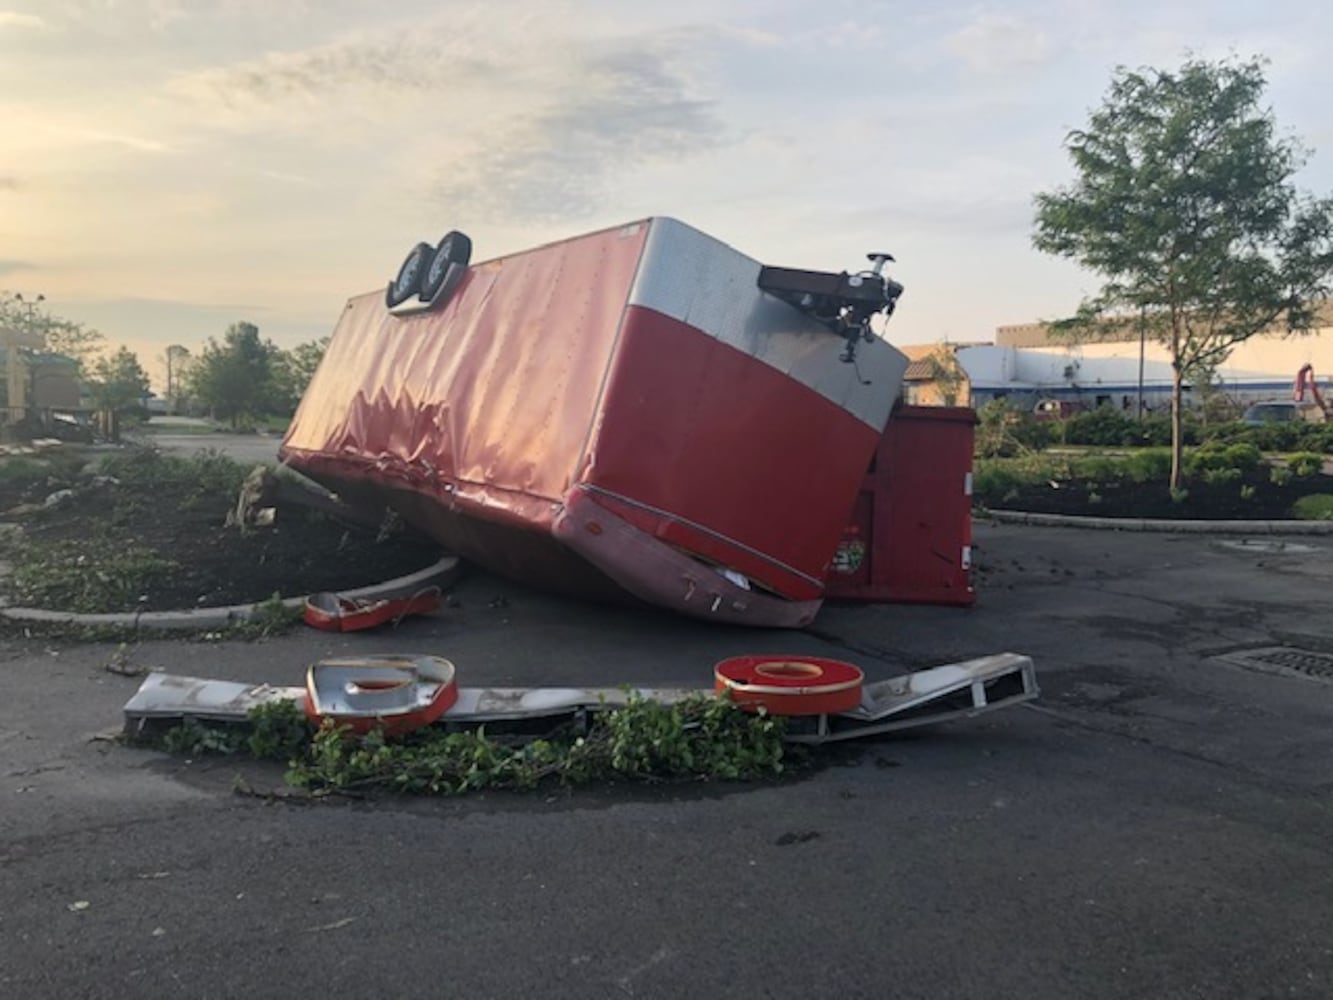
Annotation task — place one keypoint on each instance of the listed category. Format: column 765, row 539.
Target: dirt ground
column 155, row 537
column 1206, row 501
column 118, row 527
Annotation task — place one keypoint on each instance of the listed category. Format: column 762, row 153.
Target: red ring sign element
column 790, row 685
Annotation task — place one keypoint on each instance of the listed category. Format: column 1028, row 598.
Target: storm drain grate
column 1284, row 659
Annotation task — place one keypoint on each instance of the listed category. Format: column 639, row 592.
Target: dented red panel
column 492, row 395
column 725, row 457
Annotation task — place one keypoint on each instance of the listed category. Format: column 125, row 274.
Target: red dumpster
column 909, row 537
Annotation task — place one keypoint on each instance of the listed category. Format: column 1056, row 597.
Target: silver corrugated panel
column 696, row 279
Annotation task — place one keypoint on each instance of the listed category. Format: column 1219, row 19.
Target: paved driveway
column 245, row 448
column 1158, row 825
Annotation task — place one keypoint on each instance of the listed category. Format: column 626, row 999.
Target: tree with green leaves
column 293, row 371
column 118, row 382
column 947, row 374
column 234, row 378
column 1183, row 203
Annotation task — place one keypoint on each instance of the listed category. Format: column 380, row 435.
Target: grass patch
column 269, row 618
column 997, row 480
column 1315, row 507
column 208, row 473
column 1304, row 464
column 21, row 471
column 1150, row 465
column 57, row 466
column 87, row 575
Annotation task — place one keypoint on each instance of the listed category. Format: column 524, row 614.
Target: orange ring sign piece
column 790, row 685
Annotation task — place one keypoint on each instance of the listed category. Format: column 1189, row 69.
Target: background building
column 1026, row 365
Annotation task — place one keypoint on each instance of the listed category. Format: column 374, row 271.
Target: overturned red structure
column 641, row 409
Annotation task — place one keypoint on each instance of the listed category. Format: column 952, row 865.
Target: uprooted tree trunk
column 267, row 488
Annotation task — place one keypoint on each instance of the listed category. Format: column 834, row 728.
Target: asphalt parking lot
column 1157, row 824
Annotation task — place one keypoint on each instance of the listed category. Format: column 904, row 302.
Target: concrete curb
column 1194, row 527
column 439, row 574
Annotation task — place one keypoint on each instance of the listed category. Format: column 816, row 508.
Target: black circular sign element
column 410, row 275
column 454, row 248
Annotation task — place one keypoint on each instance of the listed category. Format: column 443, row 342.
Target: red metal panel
column 910, row 534
column 490, row 398
column 712, row 452
column 664, row 575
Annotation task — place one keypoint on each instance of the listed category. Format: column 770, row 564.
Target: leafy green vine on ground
column 699, row 737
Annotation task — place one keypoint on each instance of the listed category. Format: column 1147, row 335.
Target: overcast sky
column 170, row 166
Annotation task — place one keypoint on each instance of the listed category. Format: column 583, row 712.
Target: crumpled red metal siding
column 494, row 394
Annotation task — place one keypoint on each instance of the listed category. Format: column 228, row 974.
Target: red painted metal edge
column 790, row 685
column 331, row 685
column 334, row 613
column 662, row 575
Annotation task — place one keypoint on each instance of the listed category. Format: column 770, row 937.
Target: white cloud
column 615, row 111
column 528, row 125
column 55, row 137
column 14, row 19
column 134, row 142
column 999, row 43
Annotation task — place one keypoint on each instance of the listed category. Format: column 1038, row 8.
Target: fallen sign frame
column 921, row 698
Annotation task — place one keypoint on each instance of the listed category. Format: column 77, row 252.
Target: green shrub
column 1156, row 432
column 698, row 737
column 1148, row 465
column 994, row 483
column 1318, row 437
column 1103, row 426
column 1280, row 475
column 1277, row 436
column 207, row 473
column 1315, row 507
column 1305, row 464
column 1097, row 468
column 997, row 480
column 1003, row 431
column 1243, row 456
column 1217, row 457
column 55, row 468
column 1210, row 457
column 1292, row 436
column 1225, row 432
column 22, row 472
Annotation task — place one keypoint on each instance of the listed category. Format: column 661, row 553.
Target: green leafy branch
column 699, row 737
